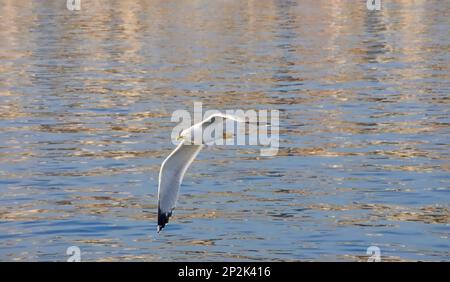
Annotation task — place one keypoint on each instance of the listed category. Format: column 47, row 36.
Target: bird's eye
column 213, row 119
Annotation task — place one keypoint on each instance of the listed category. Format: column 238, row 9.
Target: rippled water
column 86, row 99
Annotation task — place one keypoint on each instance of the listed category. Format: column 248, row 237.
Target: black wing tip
column 163, row 219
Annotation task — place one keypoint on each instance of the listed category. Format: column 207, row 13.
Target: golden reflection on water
column 86, row 100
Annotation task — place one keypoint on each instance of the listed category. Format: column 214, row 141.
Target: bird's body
column 175, row 165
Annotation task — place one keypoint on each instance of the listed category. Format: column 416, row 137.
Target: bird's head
column 185, row 135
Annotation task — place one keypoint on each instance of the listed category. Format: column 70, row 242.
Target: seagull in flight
column 175, row 165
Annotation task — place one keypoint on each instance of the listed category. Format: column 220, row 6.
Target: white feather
column 170, row 177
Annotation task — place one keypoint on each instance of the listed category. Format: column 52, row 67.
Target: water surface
column 86, row 100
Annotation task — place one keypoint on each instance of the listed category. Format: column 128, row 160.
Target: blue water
column 86, row 100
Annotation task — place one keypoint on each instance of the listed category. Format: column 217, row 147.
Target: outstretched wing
column 234, row 118
column 170, row 178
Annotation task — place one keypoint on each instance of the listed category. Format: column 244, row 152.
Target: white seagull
column 175, row 165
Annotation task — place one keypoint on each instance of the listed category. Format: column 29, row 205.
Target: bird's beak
column 179, row 138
